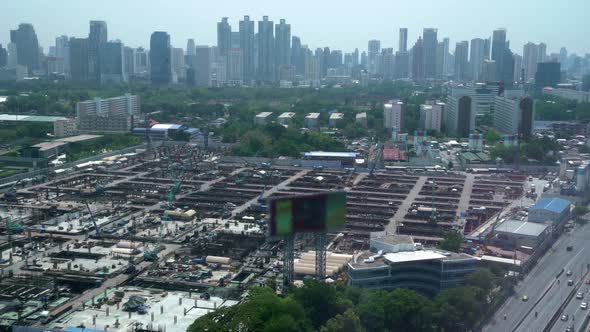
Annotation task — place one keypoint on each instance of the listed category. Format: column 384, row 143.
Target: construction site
column 154, row 239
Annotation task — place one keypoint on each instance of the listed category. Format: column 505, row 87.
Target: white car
column 580, row 295
column 584, row 306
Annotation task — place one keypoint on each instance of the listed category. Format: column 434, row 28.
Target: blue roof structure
column 556, row 205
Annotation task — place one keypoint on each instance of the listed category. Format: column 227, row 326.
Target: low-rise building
column 516, row 233
column 550, row 210
column 335, row 118
column 117, row 114
column 312, row 120
column 262, row 118
column 361, row 119
column 431, row 116
column 285, row 118
column 65, row 127
column 579, row 96
column 400, row 263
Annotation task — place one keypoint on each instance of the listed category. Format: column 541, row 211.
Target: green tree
column 579, row 211
column 492, row 137
column 345, row 322
column 484, row 281
column 408, row 311
column 451, row 242
column 320, row 301
column 458, row 309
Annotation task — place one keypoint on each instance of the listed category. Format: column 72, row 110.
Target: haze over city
column 339, row 24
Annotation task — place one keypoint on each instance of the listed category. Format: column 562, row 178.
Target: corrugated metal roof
column 522, row 227
column 556, row 205
column 331, row 154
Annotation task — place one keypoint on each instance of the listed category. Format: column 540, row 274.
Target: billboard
column 325, row 212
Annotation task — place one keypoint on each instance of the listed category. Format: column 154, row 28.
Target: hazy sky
column 339, row 24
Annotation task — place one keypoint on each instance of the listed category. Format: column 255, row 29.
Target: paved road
column 575, row 313
column 540, row 285
column 403, row 208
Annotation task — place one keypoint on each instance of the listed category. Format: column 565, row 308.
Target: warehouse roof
column 167, row 126
column 556, row 205
column 522, row 227
column 312, row 116
column 331, row 154
column 30, row 118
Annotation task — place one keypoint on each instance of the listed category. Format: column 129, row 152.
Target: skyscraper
column 498, row 51
column 235, row 72
column 223, row 37
column 79, row 59
column 204, row 59
column 461, row 62
column 355, row 57
column 3, row 57
column 282, row 44
column 62, row 51
column 27, row 46
column 129, row 61
column 297, row 56
column 517, row 67
column 403, row 40
column 430, row 44
column 12, row 55
column 112, row 63
column 514, row 113
column 98, row 35
column 266, row 59
column 247, row 47
column 563, row 56
column 374, row 50
column 142, row 61
column 418, row 60
column 476, row 58
column 190, row 53
column 178, row 65
column 160, row 63
column 529, row 60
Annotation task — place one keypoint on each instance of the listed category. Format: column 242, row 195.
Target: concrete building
column 516, row 233
column 65, row 127
column 262, row 118
column 393, row 115
column 477, row 58
column 97, row 37
column 335, row 119
column 116, row 114
column 548, row 74
column 312, row 120
column 460, row 115
column 204, row 59
column 514, row 113
column 562, row 128
column 361, row 119
column 579, row 96
column 266, row 50
column 27, row 46
column 550, row 210
column 235, row 71
column 160, row 62
column 112, row 63
column 398, row 264
column 488, row 71
column 285, row 118
column 79, row 49
column 431, row 116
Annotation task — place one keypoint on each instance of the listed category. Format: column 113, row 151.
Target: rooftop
column 167, row 126
column 263, row 114
column 78, row 138
column 312, row 116
column 404, row 257
column 361, row 115
column 557, row 205
column 334, row 116
column 30, row 118
column 287, row 115
column 331, row 154
column 522, row 227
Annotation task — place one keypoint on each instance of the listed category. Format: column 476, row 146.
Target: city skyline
column 315, row 27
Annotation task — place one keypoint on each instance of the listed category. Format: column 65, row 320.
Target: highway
column 575, row 313
column 546, row 293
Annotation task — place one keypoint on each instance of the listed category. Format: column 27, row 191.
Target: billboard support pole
column 289, row 261
column 320, row 255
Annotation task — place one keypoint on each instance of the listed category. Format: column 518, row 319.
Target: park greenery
column 336, row 307
column 535, row 150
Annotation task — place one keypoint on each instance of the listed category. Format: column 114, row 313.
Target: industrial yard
column 155, row 239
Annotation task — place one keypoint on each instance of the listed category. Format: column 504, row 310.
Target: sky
column 340, row 24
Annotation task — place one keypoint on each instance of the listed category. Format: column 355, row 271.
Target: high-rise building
column 508, row 69
column 3, row 57
column 27, row 46
column 386, row 65
column 514, row 113
column 266, row 50
column 499, row 51
column 517, row 67
column 403, row 40
column 563, row 56
column 430, row 41
column 476, row 58
column 189, row 58
column 459, row 115
column 223, row 37
column 98, row 35
column 355, row 57
column 160, row 62
column 312, row 68
column 235, row 73
column 488, row 71
column 364, row 59
column 178, row 65
column 204, row 59
column 79, row 59
column 62, row 51
column 417, row 60
column 402, row 65
column 142, row 61
column 297, row 57
column 548, row 74
column 482, row 96
column 487, row 47
column 431, row 115
column 393, row 115
column 11, row 56
column 445, row 59
column 112, row 63
column 374, row 50
column 282, row 44
column 117, row 114
column 129, row 61
column 461, row 62
column 247, row 46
